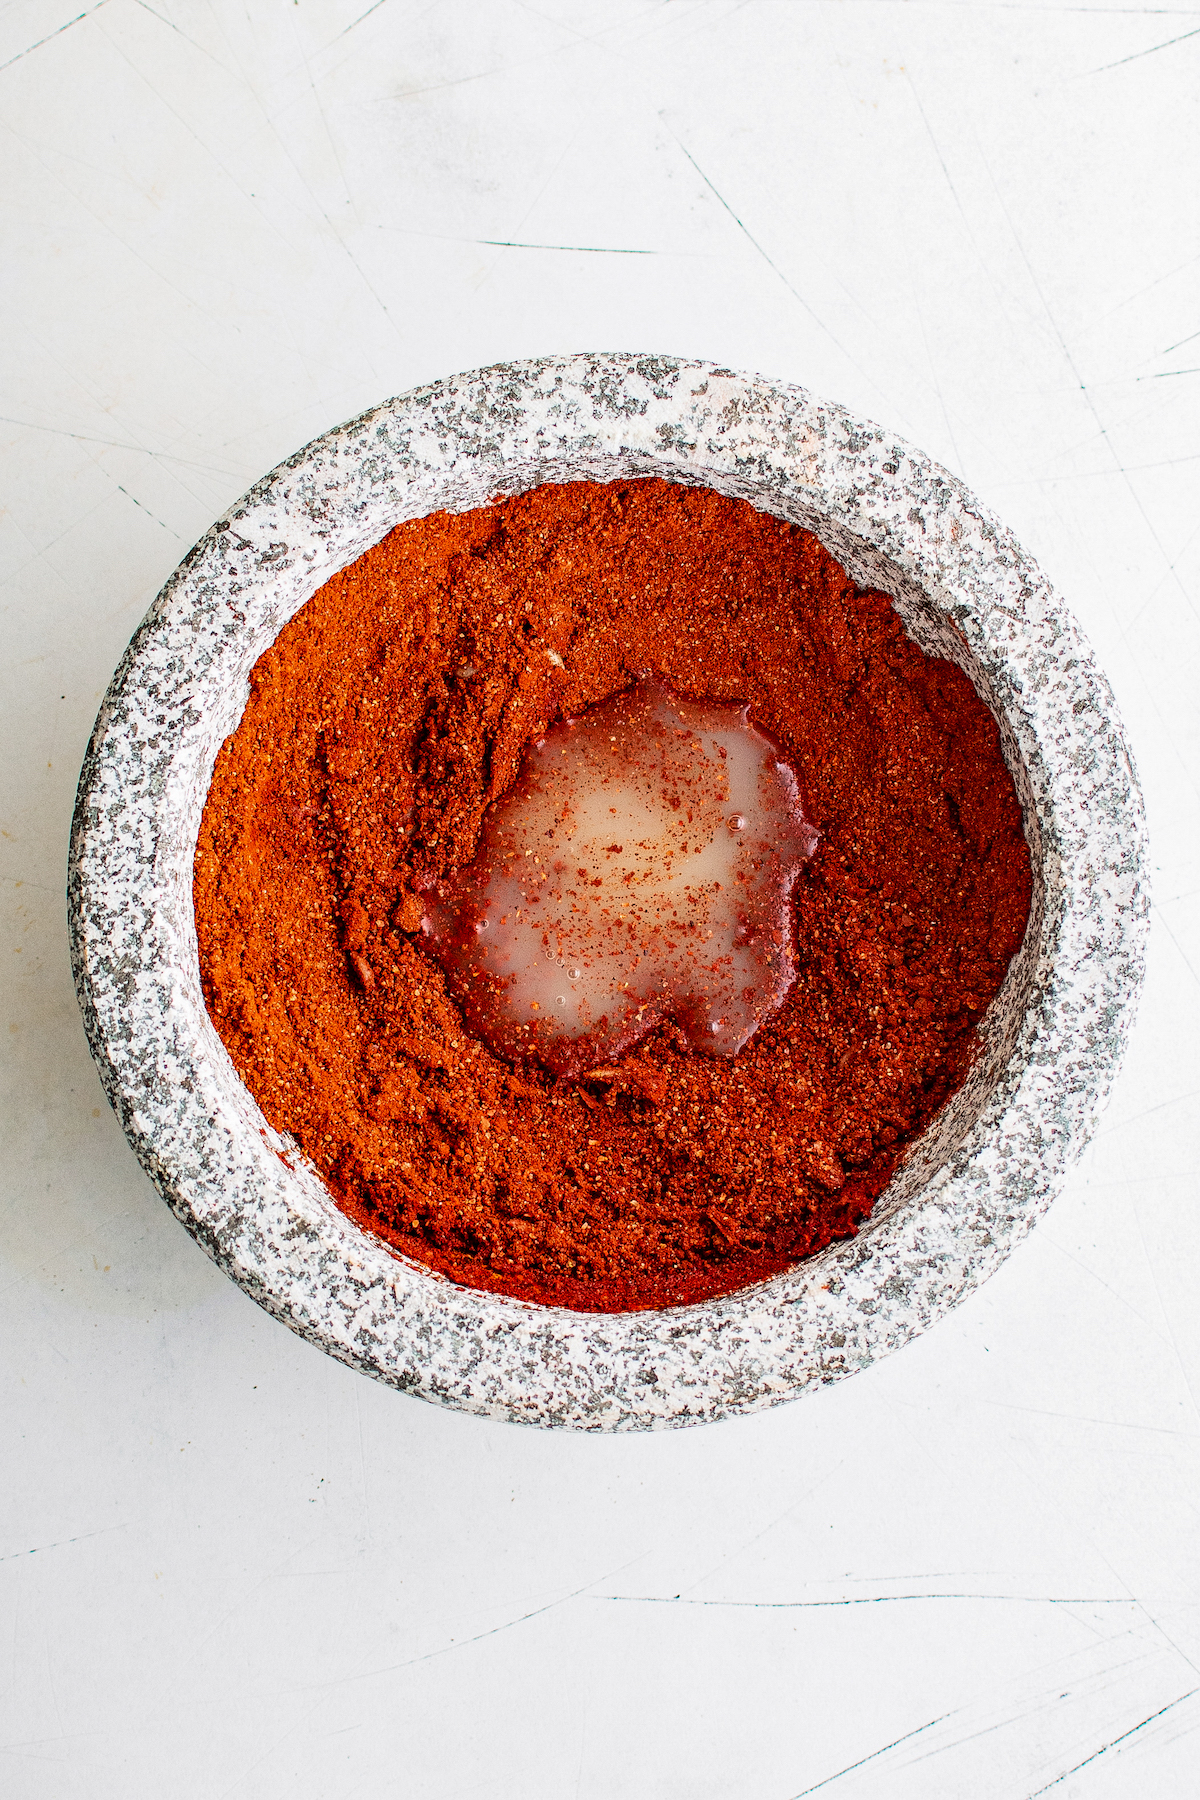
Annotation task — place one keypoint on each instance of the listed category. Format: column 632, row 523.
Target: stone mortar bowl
column 990, row 1162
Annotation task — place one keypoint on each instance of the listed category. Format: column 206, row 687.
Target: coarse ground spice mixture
column 389, row 713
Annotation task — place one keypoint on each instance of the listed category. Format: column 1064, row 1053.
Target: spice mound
column 386, row 730
column 639, row 868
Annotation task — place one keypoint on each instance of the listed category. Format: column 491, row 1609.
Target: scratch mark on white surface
column 937, row 151
column 465, row 1643
column 437, row 87
column 50, row 37
column 35, row 1746
column 1052, row 1689
column 1168, row 275
column 405, row 23
column 1191, row 338
column 62, row 1732
column 356, row 22
column 247, row 1596
column 1037, row 6
column 1084, row 390
column 867, row 1600
column 1154, row 1623
column 1108, row 1288
column 160, row 96
column 1181, row 1361
column 245, row 1773
column 1138, row 54
column 107, row 224
column 1167, row 374
column 770, row 261
column 60, row 1543
column 874, row 1755
column 1150, row 597
column 1184, row 1371
column 1046, row 1412
column 672, row 13
column 194, row 42
column 454, row 237
column 97, row 463
column 653, row 11
column 362, row 1461
column 26, row 881
column 492, row 1631
column 1168, row 462
column 1096, row 435
column 304, row 182
column 575, row 249
column 146, row 510
column 42, row 553
column 324, row 120
column 81, row 437
column 536, row 201
column 740, row 1548
column 964, row 214
column 1112, row 1744
column 1182, row 952
column 14, row 1640
column 582, row 1743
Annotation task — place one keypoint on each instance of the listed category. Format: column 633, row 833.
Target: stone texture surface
column 990, row 1163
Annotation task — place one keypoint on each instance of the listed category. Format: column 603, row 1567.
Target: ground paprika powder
column 396, row 706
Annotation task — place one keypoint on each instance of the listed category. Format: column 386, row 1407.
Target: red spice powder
column 396, row 706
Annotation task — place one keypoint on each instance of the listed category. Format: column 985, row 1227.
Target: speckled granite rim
column 990, row 1163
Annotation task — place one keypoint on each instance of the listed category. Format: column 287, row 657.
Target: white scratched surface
column 230, row 1567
